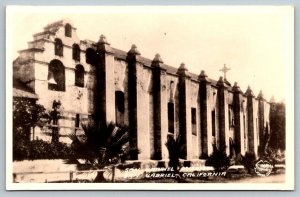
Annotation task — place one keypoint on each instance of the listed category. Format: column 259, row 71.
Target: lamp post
column 55, row 115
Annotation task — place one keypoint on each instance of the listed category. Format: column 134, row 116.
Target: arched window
column 68, row 30
column 90, row 56
column 58, row 47
column 79, row 76
column 56, row 76
column 76, row 52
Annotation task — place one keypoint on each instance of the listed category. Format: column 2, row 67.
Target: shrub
column 175, row 148
column 104, row 146
column 219, row 160
column 239, row 159
column 39, row 149
column 249, row 161
column 27, row 114
column 274, row 156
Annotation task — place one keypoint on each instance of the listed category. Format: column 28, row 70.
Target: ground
column 242, row 178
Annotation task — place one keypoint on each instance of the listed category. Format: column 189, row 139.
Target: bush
column 39, row 149
column 175, row 148
column 249, row 161
column 239, row 159
column 274, row 156
column 26, row 115
column 219, row 160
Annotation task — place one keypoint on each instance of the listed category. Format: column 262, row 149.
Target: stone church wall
column 151, row 97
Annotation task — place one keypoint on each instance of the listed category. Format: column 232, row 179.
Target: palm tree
column 102, row 147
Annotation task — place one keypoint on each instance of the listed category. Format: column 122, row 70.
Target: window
column 79, row 76
column 171, row 117
column 230, row 116
column 257, row 130
column 77, row 120
column 58, row 47
column 245, row 132
column 120, row 107
column 213, row 123
column 194, row 121
column 68, row 30
column 90, row 56
column 244, row 124
column 76, row 52
column 120, row 101
column 56, row 76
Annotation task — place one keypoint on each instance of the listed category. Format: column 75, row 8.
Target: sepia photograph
column 150, row 97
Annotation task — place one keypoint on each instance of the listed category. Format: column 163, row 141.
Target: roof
column 24, row 94
column 21, row 90
column 147, row 62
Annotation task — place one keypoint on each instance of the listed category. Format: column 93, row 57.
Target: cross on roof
column 225, row 70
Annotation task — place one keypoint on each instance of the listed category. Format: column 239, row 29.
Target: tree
column 277, row 126
column 27, row 114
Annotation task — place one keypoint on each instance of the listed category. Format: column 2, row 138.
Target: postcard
column 150, row 97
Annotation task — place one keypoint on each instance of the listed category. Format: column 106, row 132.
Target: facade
column 93, row 80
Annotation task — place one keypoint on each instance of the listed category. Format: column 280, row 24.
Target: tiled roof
column 21, row 90
column 24, row 94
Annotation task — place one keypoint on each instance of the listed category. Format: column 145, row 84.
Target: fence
column 61, row 176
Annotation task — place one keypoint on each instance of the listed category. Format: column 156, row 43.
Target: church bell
column 51, row 79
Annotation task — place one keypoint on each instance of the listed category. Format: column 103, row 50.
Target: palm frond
column 107, row 132
column 112, row 130
column 103, row 145
column 120, row 132
column 115, row 131
column 121, row 141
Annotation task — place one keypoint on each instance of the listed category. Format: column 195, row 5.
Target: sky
column 255, row 42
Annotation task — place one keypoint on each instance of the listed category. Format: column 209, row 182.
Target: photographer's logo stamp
column 263, row 168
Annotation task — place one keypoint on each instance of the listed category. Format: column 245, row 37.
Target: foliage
column 274, row 156
column 103, row 146
column 249, row 161
column 218, row 159
column 175, row 148
column 238, row 160
column 39, row 149
column 27, row 114
column 277, row 127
